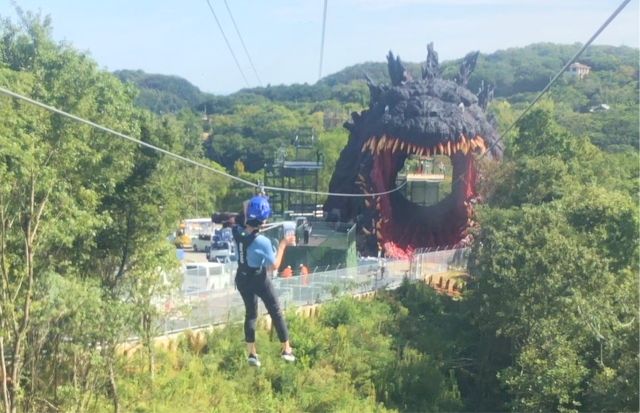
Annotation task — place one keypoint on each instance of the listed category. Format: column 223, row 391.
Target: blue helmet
column 258, row 208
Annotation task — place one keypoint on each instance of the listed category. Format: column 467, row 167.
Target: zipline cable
column 180, row 157
column 564, row 68
column 228, row 44
column 246, row 51
column 551, row 82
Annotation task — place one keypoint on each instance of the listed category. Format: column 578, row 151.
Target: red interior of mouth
column 403, row 226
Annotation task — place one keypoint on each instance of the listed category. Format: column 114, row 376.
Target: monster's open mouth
column 422, row 118
column 400, row 225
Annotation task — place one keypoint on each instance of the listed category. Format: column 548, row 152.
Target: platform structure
column 330, row 246
column 295, row 167
column 423, row 184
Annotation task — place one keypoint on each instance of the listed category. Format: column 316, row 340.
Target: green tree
column 565, row 233
column 53, row 174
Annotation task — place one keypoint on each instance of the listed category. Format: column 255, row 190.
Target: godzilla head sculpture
column 425, row 117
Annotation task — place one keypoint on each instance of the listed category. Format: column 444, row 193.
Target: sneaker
column 253, row 360
column 288, row 356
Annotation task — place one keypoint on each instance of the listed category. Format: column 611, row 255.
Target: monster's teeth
column 472, row 144
column 449, row 148
column 464, row 147
column 480, row 143
column 427, row 151
column 366, row 231
column 396, row 143
column 381, row 142
column 440, row 149
column 390, row 143
column 367, row 203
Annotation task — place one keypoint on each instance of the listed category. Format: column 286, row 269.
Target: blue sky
column 283, row 36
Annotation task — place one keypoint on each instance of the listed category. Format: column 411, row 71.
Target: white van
column 222, row 252
column 206, row 276
column 201, row 243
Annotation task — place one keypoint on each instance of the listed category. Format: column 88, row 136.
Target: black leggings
column 252, row 286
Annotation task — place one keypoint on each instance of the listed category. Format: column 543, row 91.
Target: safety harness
column 243, row 240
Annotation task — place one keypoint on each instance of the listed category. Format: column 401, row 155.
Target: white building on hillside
column 579, row 70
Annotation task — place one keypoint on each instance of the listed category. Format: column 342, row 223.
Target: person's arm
column 272, row 259
column 279, row 254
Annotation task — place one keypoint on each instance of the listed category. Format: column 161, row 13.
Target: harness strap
column 243, row 241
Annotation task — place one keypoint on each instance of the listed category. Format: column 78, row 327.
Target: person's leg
column 251, row 311
column 268, row 297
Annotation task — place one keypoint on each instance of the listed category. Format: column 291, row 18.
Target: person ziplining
column 256, row 257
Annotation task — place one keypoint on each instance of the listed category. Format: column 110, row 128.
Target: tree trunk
column 3, row 366
column 30, row 227
column 115, row 399
column 148, row 343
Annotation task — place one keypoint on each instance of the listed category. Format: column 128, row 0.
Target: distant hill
column 163, row 93
column 517, row 73
column 515, row 70
column 512, row 71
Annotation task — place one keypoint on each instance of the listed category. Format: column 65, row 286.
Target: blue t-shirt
column 260, row 253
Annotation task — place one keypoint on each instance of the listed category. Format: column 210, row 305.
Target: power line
column 242, row 41
column 324, row 25
column 180, row 157
column 228, row 44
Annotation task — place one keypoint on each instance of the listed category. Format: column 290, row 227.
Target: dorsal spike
column 485, row 94
column 397, row 71
column 466, row 68
column 374, row 90
column 432, row 68
column 369, row 80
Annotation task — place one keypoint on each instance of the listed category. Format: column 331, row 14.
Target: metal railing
column 207, row 308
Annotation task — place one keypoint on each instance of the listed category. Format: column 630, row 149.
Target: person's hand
column 289, row 239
